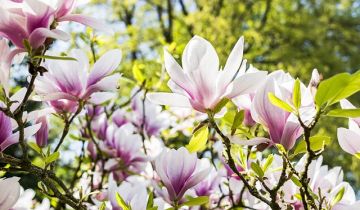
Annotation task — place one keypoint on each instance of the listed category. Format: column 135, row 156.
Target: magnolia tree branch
column 226, row 141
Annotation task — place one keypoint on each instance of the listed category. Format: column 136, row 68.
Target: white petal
column 170, row 99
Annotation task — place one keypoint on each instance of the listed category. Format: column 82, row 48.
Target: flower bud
column 42, row 135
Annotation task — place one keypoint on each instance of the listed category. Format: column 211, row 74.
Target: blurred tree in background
column 294, row 35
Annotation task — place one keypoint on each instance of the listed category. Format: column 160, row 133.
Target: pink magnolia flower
column 133, row 192
column 147, row 115
column 10, row 192
column 283, row 127
column 68, row 81
column 199, row 83
column 119, row 117
column 349, row 138
column 7, row 126
column 34, row 21
column 125, row 148
column 244, row 102
column 179, row 171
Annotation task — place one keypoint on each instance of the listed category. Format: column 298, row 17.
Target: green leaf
column 53, row 157
column 281, row 148
column 350, row 113
column 150, row 202
column 220, row 105
column 268, row 162
column 35, row 147
column 296, row 181
column 120, row 201
column 297, row 94
column 357, row 155
column 137, row 73
column 27, row 45
column 336, row 88
column 152, row 208
column 239, row 117
column 103, row 206
column 257, row 169
column 55, row 57
column 198, row 201
column 279, row 103
column 198, row 140
column 316, row 143
column 339, row 195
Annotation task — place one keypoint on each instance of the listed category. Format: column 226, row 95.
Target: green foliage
column 120, row 201
column 257, row 169
column 348, row 113
column 297, row 94
column 197, row 201
column 199, row 139
column 339, row 195
column 316, row 143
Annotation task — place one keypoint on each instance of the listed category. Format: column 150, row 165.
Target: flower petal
column 88, row 21
column 170, row 99
column 38, row 36
column 247, row 83
column 348, row 140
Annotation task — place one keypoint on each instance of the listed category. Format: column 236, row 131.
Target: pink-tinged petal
column 18, row 97
column 348, row 140
column 39, row 113
column 38, row 36
column 104, row 66
column 201, row 63
column 64, row 7
column 55, row 96
column 17, row 1
column 194, row 180
column 42, row 134
column 12, row 139
column 10, row 193
column 88, row 21
column 107, row 84
column 177, row 74
column 12, row 27
column 291, row 132
column 247, row 83
column 233, row 63
column 31, row 130
column 251, row 142
column 101, row 97
column 41, row 15
column 170, row 99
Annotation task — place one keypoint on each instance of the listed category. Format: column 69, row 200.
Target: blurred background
column 293, row 35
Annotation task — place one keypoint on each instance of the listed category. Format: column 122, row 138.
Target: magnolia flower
column 153, row 120
column 10, row 192
column 125, row 148
column 207, row 186
column 349, row 138
column 34, row 21
column 119, row 117
column 200, row 84
column 133, row 193
column 283, row 127
column 27, row 201
column 180, row 170
column 68, row 81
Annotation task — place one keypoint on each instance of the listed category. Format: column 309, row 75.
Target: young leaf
column 268, row 162
column 279, row 103
column 35, row 147
column 221, row 104
column 120, row 201
column 150, row 202
column 257, row 169
column 297, row 94
column 198, row 201
column 357, row 155
column 348, row 113
column 339, row 195
column 53, row 157
column 336, row 88
column 316, row 143
column 198, row 140
column 103, row 206
column 55, row 57
column 296, row 181
column 239, row 117
column 138, row 75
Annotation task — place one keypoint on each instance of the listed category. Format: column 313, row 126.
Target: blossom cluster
column 218, row 138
